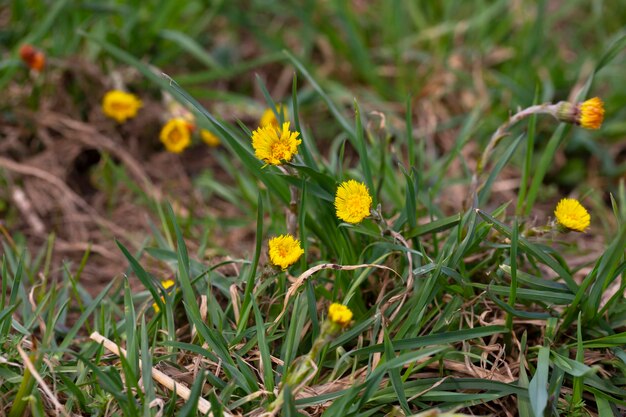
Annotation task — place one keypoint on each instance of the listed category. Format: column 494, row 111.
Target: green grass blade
column 363, row 152
column 436, row 339
column 266, row 362
column 146, row 370
column 190, row 45
column 394, row 374
column 546, row 160
column 331, row 106
column 190, row 409
column 538, row 386
column 533, row 250
column 246, row 304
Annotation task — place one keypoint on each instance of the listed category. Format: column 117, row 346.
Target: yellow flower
column 284, row 250
column 591, row 113
column 571, row 215
column 273, row 145
column 166, row 284
column 176, row 135
column 209, row 138
column 269, row 118
column 353, row 201
column 120, row 105
column 588, row 114
column 339, row 314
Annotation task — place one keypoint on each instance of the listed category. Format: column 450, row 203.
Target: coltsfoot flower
column 32, row 57
column 269, row 118
column 275, row 146
column 571, row 215
column 120, row 105
column 588, row 114
column 339, row 314
column 165, row 284
column 209, row 138
column 284, row 251
column 303, row 368
column 176, row 135
column 352, row 201
column 591, row 113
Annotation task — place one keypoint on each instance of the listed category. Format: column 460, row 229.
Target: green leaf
column 570, row 366
column 143, row 276
column 190, row 45
column 363, row 151
column 523, row 404
column 266, row 361
column 394, row 374
column 538, row 387
column 246, row 305
column 532, row 249
column 78, row 324
column 331, row 106
column 190, row 408
column 434, row 227
column 436, row 339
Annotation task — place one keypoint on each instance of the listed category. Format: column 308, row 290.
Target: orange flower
column 32, row 57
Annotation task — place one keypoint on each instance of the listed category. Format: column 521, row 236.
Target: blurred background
column 460, row 67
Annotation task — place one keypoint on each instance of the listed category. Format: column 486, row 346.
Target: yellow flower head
column 352, row 201
column 273, row 145
column 269, row 118
column 166, row 284
column 284, row 250
column 588, row 114
column 209, row 138
column 571, row 215
column 176, row 135
column 120, row 105
column 339, row 314
column 591, row 113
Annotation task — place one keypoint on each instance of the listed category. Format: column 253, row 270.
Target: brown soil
column 53, row 160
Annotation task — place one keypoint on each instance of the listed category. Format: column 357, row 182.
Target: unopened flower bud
column 588, row 114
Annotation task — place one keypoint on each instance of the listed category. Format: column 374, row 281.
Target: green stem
column 24, row 391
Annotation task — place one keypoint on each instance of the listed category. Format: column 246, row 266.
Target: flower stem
column 291, row 211
column 498, row 135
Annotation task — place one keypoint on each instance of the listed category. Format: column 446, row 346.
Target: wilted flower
column 269, row 118
column 352, row 201
column 588, row 114
column 32, row 57
column 284, row 251
column 176, row 135
column 166, row 284
column 209, row 138
column 571, row 215
column 120, row 105
column 275, row 146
